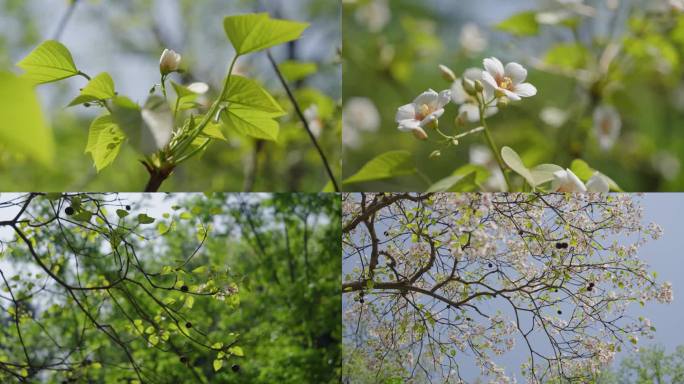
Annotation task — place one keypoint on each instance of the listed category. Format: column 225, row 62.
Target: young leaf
column 257, row 31
column 248, row 93
column 251, row 122
column 511, row 158
column 296, row 70
column 213, row 131
column 218, row 364
column 100, row 87
column 237, row 351
column 23, row 128
column 50, row 61
column 385, row 166
column 144, row 219
column 104, row 141
column 454, row 183
column 520, row 24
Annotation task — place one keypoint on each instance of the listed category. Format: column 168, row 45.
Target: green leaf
column 218, row 364
column 144, row 219
column 121, row 213
column 453, row 183
column 189, row 302
column 329, row 187
column 162, row 228
column 543, row 173
column 385, row 166
column 257, row 31
column 520, row 24
column 101, row 87
column 237, row 351
column 23, row 129
column 567, row 56
column 251, row 122
column 295, row 70
column 153, row 339
column 513, row 160
column 104, row 141
column 580, row 168
column 217, row 345
column 50, row 61
column 246, row 92
column 213, row 131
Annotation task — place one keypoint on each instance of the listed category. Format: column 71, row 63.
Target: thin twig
column 64, row 20
column 298, row 109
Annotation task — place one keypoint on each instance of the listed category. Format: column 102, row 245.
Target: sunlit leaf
column 50, row 61
column 254, row 32
column 385, row 166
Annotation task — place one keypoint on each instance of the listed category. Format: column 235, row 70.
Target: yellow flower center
column 506, row 83
column 423, row 111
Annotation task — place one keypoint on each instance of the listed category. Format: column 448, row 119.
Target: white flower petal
column 408, row 125
column 494, row 66
column 429, row 97
column 458, row 94
column 432, row 117
column 598, row 183
column 516, row 72
column 510, row 94
column 472, row 112
column 406, row 112
column 199, row 88
column 525, row 90
column 473, row 73
column 443, row 98
column 488, row 80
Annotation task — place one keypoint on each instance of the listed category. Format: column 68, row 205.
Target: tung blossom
column 169, row 61
column 469, row 105
column 607, row 125
column 425, row 110
column 506, row 81
column 358, row 115
column 566, row 181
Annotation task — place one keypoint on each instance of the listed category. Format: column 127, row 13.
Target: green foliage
column 295, row 70
column 104, row 141
column 254, row 32
column 23, row 127
column 101, row 87
column 50, row 61
column 521, row 24
column 385, row 166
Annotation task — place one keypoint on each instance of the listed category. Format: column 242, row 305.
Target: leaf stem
column 301, row 116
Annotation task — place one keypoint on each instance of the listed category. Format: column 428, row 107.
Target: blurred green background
column 125, row 38
column 624, row 54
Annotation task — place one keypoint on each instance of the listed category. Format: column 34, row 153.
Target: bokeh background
column 125, row 38
column 392, row 50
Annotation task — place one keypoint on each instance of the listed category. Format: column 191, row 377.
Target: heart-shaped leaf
column 257, row 31
column 50, row 61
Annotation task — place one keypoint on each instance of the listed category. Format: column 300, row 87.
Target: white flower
column 566, row 181
column 199, row 88
column 554, row 116
column 472, row 39
column 676, row 5
column 469, row 105
column 169, row 61
column 607, row 125
column 506, row 81
column 374, row 15
column 313, row 118
column 664, row 295
column 425, row 110
column 359, row 115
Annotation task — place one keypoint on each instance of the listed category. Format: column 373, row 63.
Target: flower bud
column 447, row 73
column 435, row 154
column 502, row 102
column 468, row 86
column 420, row 134
column 454, row 142
column 169, row 62
column 478, row 86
